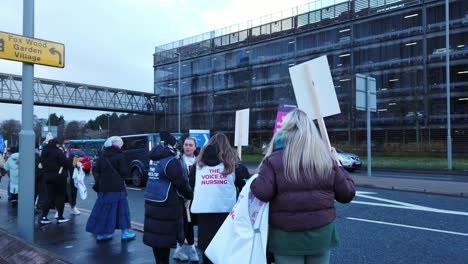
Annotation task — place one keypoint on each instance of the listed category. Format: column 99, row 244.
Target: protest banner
column 284, row 107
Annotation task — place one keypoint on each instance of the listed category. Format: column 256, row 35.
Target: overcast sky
column 111, row 42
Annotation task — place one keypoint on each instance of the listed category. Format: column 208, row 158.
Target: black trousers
column 56, row 189
column 188, row 227
column 72, row 192
column 161, row 255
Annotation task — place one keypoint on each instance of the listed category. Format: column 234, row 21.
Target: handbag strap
column 112, row 167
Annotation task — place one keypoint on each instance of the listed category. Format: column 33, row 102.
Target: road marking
column 408, row 226
column 88, row 212
column 362, row 192
column 402, row 205
column 139, row 226
column 135, row 189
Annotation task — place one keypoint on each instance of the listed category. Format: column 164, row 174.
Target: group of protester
column 300, row 177
column 53, row 179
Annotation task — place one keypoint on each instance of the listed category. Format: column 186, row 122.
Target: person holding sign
column 300, row 178
column 188, row 160
column 166, row 190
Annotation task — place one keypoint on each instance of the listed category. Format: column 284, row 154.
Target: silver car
column 349, row 161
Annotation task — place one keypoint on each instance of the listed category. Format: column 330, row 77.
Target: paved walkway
column 423, row 185
column 414, row 185
column 69, row 241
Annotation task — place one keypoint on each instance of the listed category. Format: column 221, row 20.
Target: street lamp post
column 447, row 85
column 178, row 84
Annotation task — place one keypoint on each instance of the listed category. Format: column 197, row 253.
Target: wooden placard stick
column 187, row 210
column 239, row 135
column 316, row 106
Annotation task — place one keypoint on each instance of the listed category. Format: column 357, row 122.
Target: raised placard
column 318, row 72
column 241, row 137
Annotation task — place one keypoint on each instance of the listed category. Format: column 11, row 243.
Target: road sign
column 202, row 136
column 31, row 50
column 49, row 129
column 362, row 82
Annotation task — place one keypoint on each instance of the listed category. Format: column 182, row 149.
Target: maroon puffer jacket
column 303, row 206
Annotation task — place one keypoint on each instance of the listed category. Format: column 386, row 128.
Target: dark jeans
column 161, row 255
column 55, row 194
column 39, row 190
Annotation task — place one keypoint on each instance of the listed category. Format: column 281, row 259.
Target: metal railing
column 314, row 13
column 75, row 95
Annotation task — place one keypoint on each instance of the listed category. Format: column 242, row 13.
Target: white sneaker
column 193, row 255
column 44, row 221
column 62, row 220
column 75, row 211
column 56, row 215
column 178, row 254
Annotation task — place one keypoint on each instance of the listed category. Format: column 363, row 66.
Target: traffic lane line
column 135, row 189
column 135, row 225
column 384, row 202
column 90, row 184
column 408, row 226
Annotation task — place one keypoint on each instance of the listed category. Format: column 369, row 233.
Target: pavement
column 70, row 243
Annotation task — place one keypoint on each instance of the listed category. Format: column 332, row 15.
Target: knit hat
column 114, row 141
column 167, row 138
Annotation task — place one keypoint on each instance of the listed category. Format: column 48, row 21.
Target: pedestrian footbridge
column 76, row 95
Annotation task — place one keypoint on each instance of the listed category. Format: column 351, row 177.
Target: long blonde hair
column 226, row 154
column 304, row 149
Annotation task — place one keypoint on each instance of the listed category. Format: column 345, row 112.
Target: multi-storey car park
column 399, row 42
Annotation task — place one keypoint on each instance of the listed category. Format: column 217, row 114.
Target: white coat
column 12, row 167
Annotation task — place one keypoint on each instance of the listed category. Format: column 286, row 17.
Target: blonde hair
column 226, row 154
column 304, row 149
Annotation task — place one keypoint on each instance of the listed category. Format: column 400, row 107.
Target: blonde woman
column 301, row 178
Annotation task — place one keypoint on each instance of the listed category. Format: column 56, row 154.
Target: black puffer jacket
column 164, row 220
column 110, row 170
column 52, row 159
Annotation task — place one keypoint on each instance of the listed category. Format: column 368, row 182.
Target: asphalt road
column 379, row 226
column 382, row 226
column 401, row 227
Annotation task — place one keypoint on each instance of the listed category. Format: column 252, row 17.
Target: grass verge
column 394, row 162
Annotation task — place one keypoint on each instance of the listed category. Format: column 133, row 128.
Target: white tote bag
column 242, row 238
column 78, row 181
